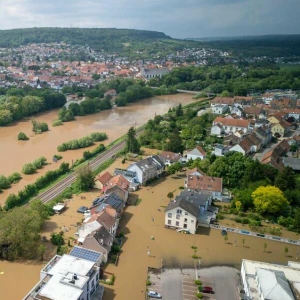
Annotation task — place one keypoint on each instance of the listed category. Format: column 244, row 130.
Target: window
column 177, row 223
column 179, row 211
column 184, row 225
column 177, row 217
column 169, row 215
column 169, row 222
column 185, row 220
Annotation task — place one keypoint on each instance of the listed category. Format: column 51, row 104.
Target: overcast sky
column 177, row 18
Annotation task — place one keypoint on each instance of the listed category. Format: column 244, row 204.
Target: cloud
column 189, row 18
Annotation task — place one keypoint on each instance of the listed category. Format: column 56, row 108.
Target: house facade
column 220, row 109
column 197, row 152
column 232, row 125
column 181, row 215
column 147, row 169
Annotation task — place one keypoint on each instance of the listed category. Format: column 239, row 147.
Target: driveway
column 224, row 281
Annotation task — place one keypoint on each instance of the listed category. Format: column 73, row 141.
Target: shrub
column 84, row 142
column 200, row 288
column 14, row 177
column 220, row 217
column 4, row 182
column 22, row 136
column 28, row 169
column 57, row 156
column 148, row 282
column 198, row 282
column 245, row 221
column 115, row 249
column 40, row 162
column 57, row 123
column 199, row 295
column 57, row 239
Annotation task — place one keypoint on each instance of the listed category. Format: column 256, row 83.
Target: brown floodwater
column 116, row 122
column 174, row 248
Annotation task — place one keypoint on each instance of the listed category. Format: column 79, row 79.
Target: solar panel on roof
column 85, row 254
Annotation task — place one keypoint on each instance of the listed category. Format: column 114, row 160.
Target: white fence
column 256, row 234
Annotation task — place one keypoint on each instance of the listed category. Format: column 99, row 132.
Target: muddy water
column 14, row 154
column 172, row 247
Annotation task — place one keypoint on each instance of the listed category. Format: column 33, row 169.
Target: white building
column 265, row 281
column 220, row 109
column 67, row 277
column 197, row 152
column 231, row 125
column 181, row 215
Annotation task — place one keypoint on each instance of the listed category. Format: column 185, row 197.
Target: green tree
column 265, row 246
column 269, row 199
column 22, row 136
column 170, row 195
column 85, row 178
column 132, row 144
column 28, row 169
column 41, row 251
column 286, row 251
column 225, row 238
column 297, row 220
column 4, row 182
column 285, row 179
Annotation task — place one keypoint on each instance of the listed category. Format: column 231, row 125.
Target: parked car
column 183, row 231
column 152, row 294
column 208, row 290
column 82, row 209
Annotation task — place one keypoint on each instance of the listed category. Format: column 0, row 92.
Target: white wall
column 191, row 221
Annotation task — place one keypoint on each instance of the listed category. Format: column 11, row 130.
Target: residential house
column 210, row 184
column 148, row 168
column 277, row 117
column 102, row 202
column 273, row 157
column 111, row 93
column 237, row 110
column 232, row 125
column 220, row 109
column 195, row 171
column 217, row 130
column 108, row 218
column 250, row 144
column 226, row 101
column 197, row 152
column 67, row 277
column 264, row 134
column 254, row 112
column 118, row 185
column 292, row 162
column 267, row 98
column 282, row 128
column 130, row 176
column 99, row 240
column 220, row 150
column 168, row 157
column 231, row 140
column 182, row 215
column 207, row 212
column 102, row 180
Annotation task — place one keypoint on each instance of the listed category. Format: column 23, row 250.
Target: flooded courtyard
column 116, row 122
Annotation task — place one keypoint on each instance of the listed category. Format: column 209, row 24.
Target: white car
column 152, row 294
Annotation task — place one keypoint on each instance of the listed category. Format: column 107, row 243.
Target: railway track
column 59, row 187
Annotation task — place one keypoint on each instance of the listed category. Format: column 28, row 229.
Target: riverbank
column 115, row 123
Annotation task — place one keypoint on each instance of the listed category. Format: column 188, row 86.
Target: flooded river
column 116, row 122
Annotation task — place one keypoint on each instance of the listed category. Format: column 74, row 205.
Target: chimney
column 75, row 276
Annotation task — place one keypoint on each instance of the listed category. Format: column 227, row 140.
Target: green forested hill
column 108, row 39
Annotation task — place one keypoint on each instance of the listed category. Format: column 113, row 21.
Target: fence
column 255, row 234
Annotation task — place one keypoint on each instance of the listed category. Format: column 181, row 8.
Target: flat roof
column 58, row 287
column 69, row 263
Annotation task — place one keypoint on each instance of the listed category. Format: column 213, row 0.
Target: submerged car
column 152, row 294
column 208, row 290
column 82, row 209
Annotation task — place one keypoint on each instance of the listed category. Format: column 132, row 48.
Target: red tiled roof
column 232, row 122
column 223, row 100
column 104, row 178
column 204, row 183
column 120, row 181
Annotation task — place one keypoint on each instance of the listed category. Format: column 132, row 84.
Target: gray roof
column 291, row 162
column 104, row 238
column 274, row 285
column 125, row 173
column 196, row 199
column 155, row 71
column 150, row 163
column 185, row 205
